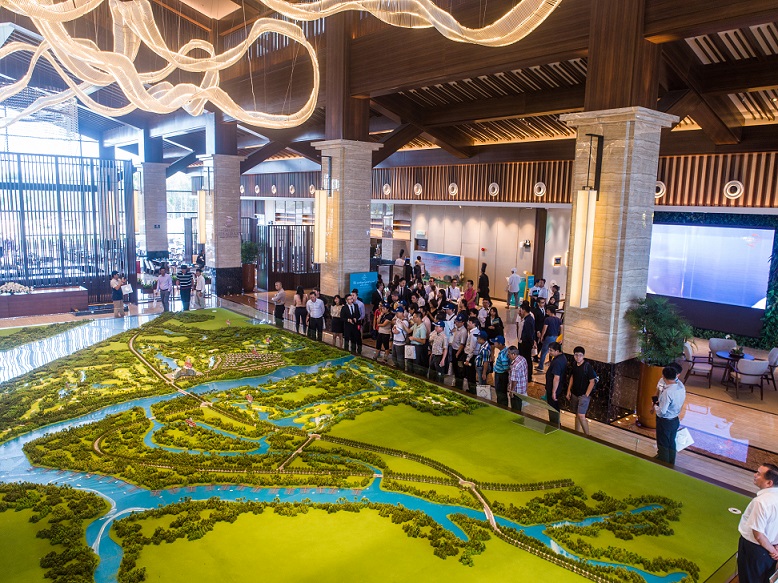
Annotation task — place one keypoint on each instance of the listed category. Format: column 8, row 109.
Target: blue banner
column 365, row 282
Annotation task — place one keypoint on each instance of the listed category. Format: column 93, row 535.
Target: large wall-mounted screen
column 724, row 265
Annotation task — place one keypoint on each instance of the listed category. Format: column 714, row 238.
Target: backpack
column 596, row 376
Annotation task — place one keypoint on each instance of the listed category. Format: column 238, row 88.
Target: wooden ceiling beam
column 671, row 20
column 261, row 154
column 738, row 77
column 530, row 104
column 399, row 108
column 181, row 164
column 717, row 116
column 394, row 141
column 306, row 151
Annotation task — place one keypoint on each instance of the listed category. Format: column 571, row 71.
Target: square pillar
column 152, row 214
column 622, row 226
column 348, row 212
column 221, row 181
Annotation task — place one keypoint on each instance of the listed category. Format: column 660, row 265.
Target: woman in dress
column 337, row 321
column 494, row 325
column 300, row 312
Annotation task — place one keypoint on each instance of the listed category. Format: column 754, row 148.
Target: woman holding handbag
column 418, row 346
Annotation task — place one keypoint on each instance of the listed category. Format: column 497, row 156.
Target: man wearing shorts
column 580, row 387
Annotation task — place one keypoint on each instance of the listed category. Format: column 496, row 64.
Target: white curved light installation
column 133, row 25
column 520, row 21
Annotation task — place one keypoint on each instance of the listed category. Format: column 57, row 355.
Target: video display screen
column 714, row 264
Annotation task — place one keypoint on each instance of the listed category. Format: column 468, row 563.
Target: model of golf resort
column 206, row 446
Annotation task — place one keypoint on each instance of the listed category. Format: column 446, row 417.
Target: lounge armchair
column 749, row 373
column 698, row 365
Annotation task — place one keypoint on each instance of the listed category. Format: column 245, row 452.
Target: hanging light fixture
column 585, row 212
column 83, row 66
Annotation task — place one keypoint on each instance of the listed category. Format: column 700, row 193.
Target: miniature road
column 146, row 362
column 298, row 451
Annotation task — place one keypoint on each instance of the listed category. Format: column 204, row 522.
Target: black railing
column 286, row 255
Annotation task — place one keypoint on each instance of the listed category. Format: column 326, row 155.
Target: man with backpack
column 582, row 381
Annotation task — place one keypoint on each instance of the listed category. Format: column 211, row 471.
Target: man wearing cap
column 399, row 338
column 514, row 285
column 470, row 352
column 185, row 286
column 117, row 296
column 350, row 316
column 458, row 343
column 502, row 365
column 438, row 349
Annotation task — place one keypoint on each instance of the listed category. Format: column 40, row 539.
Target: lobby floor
column 740, row 429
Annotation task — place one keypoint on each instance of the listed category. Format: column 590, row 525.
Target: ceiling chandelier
column 84, row 67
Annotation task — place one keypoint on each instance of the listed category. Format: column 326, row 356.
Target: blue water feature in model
column 171, row 364
column 125, row 498
column 27, row 357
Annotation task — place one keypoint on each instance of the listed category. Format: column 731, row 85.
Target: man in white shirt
column 199, row 290
column 668, row 407
column 165, row 286
column 315, row 309
column 278, row 301
column 539, row 290
column 514, row 285
column 454, row 293
column 757, row 551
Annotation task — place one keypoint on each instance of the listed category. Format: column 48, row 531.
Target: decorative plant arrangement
column 14, row 288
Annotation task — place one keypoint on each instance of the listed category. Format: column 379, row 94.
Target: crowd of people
column 454, row 330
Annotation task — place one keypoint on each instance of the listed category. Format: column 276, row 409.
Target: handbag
column 126, row 289
column 683, row 439
column 410, row 351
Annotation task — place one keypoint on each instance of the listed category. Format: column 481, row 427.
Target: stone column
column 348, row 212
column 153, row 218
column 621, row 246
column 221, row 180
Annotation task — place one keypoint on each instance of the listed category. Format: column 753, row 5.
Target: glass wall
column 65, row 221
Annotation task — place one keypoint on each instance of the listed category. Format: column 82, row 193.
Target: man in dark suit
column 539, row 311
column 527, row 336
column 403, row 292
column 350, row 315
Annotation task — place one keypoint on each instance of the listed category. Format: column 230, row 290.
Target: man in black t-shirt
column 555, row 380
column 580, row 387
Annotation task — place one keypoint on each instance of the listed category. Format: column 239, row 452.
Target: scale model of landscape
column 206, row 446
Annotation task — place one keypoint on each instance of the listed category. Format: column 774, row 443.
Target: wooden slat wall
column 691, row 181
column 516, row 181
column 700, row 180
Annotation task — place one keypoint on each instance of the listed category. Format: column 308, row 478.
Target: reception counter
column 54, row 300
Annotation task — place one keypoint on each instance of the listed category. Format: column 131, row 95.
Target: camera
column 655, row 400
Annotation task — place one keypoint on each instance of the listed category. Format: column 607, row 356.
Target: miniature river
column 126, row 498
column 27, row 357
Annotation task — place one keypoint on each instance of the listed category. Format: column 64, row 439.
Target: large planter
column 649, row 377
column 249, row 277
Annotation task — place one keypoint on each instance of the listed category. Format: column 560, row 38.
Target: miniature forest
column 170, row 451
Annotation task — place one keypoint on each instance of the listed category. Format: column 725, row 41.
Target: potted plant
column 661, row 332
column 249, row 252
column 148, row 287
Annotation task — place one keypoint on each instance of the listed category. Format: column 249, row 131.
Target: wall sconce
column 201, row 238
column 586, row 209
column 322, row 198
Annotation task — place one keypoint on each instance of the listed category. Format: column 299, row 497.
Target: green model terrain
column 330, row 450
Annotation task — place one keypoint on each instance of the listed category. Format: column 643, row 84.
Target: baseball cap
column 441, row 324
column 114, row 273
column 460, row 318
column 499, row 340
column 399, row 310
column 450, row 306
column 483, row 334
